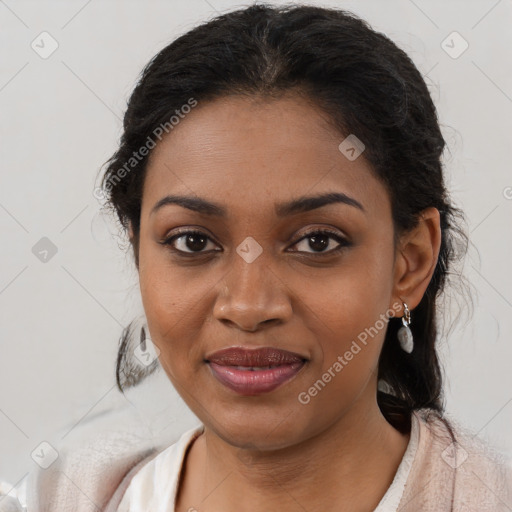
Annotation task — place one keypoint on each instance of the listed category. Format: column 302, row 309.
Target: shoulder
column 91, row 461
column 153, row 483
column 456, row 470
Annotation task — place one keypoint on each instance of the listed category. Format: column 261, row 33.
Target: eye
column 188, row 242
column 195, row 241
column 319, row 240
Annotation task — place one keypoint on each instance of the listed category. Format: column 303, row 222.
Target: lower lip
column 254, row 382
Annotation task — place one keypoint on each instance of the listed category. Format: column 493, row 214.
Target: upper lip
column 265, row 356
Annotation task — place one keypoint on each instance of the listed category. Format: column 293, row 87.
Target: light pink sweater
column 437, row 475
column 467, row 476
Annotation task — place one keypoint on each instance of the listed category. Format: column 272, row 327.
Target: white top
column 445, row 468
column 154, row 487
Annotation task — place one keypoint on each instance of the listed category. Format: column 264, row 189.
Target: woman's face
column 253, row 278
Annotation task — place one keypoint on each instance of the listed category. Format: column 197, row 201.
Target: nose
column 252, row 295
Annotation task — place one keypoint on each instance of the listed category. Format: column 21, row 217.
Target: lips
column 254, row 371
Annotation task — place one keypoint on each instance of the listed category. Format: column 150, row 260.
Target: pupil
column 317, row 245
column 195, row 246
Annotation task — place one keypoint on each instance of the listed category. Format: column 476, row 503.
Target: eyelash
column 342, row 241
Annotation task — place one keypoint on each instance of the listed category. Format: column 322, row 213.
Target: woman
column 292, row 232
column 280, row 179
column 293, row 208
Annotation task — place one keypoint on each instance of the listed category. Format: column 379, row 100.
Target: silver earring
column 137, row 356
column 142, row 344
column 404, row 333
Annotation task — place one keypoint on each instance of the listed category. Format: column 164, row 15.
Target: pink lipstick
column 254, row 371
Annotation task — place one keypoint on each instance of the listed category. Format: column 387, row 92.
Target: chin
column 259, row 431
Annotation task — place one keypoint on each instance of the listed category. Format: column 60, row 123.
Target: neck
column 331, row 468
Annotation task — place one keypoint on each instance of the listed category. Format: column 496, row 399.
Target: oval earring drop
column 404, row 333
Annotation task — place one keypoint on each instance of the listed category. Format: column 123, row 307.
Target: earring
column 142, row 344
column 137, row 356
column 404, row 333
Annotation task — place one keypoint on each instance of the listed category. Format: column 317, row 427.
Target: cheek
column 349, row 316
column 350, row 298
column 350, row 332
column 170, row 303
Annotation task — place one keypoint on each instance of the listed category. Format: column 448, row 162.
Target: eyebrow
column 300, row 205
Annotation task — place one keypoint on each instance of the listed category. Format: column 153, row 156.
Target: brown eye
column 189, row 242
column 321, row 240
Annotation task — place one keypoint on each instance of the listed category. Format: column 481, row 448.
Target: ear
column 416, row 258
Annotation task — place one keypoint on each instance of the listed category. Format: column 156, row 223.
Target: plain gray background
column 60, row 121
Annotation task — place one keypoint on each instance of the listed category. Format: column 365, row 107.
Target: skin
column 258, row 453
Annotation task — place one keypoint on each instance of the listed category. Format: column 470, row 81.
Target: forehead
column 243, row 151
